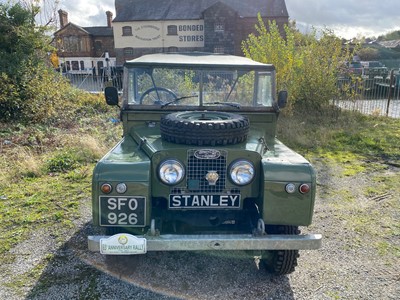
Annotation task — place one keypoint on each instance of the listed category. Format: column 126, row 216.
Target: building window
column 219, row 27
column 127, row 30
column 172, row 49
column 71, row 44
column 172, row 30
column 82, row 63
column 98, row 45
column 75, row 65
column 219, row 49
column 100, row 66
column 128, row 51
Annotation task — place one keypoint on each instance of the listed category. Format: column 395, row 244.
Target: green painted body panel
column 135, row 159
column 281, row 167
column 124, row 163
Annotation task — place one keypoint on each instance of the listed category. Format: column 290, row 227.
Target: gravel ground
column 348, row 266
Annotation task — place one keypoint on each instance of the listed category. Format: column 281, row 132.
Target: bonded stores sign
column 166, row 34
column 190, row 33
column 185, row 33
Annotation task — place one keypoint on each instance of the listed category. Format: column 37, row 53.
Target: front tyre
column 280, row 262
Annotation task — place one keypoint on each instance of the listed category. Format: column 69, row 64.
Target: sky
column 347, row 18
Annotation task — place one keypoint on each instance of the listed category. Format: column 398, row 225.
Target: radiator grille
column 197, row 170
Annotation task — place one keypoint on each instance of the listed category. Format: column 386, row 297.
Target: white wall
column 89, row 63
column 154, row 34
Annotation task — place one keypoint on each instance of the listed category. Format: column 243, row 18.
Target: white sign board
column 160, row 34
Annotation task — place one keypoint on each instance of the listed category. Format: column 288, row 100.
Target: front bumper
column 172, row 242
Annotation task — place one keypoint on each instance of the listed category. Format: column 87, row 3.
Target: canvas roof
column 197, row 59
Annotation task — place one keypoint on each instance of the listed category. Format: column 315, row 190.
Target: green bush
column 45, row 97
column 70, row 159
column 62, row 162
column 86, row 103
column 10, row 102
column 307, row 66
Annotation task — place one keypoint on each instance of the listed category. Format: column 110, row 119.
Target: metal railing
column 94, row 83
column 373, row 96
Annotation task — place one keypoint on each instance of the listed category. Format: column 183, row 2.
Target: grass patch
column 39, row 202
column 351, row 163
column 342, row 136
column 372, row 213
column 45, row 173
column 355, row 146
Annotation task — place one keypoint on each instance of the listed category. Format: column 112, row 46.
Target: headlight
column 171, row 172
column 242, row 172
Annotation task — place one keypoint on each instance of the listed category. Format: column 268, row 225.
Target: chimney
column 63, row 18
column 109, row 18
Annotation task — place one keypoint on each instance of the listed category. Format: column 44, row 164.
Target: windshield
column 193, row 87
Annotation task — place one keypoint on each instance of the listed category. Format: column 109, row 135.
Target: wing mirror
column 282, row 99
column 111, row 95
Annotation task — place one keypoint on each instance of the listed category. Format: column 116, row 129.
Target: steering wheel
column 158, row 95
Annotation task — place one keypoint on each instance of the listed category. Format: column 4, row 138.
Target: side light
column 171, row 172
column 106, row 188
column 290, row 188
column 121, row 188
column 304, row 188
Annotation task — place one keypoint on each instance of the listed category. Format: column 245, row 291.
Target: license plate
column 204, row 201
column 129, row 211
column 123, row 244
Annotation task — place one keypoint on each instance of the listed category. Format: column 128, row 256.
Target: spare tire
column 204, row 128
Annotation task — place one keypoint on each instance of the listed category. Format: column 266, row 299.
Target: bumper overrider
column 128, row 244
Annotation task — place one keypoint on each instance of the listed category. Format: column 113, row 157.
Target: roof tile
column 146, row 10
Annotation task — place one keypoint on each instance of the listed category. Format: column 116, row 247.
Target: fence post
column 390, row 92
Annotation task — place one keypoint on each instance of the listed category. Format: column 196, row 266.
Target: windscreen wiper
column 177, row 99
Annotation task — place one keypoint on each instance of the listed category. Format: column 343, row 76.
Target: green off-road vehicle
column 199, row 167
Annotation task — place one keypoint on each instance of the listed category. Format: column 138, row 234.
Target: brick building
column 151, row 26
column 80, row 49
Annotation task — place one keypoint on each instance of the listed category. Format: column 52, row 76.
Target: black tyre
column 280, row 262
column 204, row 128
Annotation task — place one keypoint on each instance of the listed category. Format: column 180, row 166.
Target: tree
column 394, row 35
column 270, row 47
column 307, row 65
column 22, row 44
column 29, row 89
column 45, row 11
column 368, row 53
